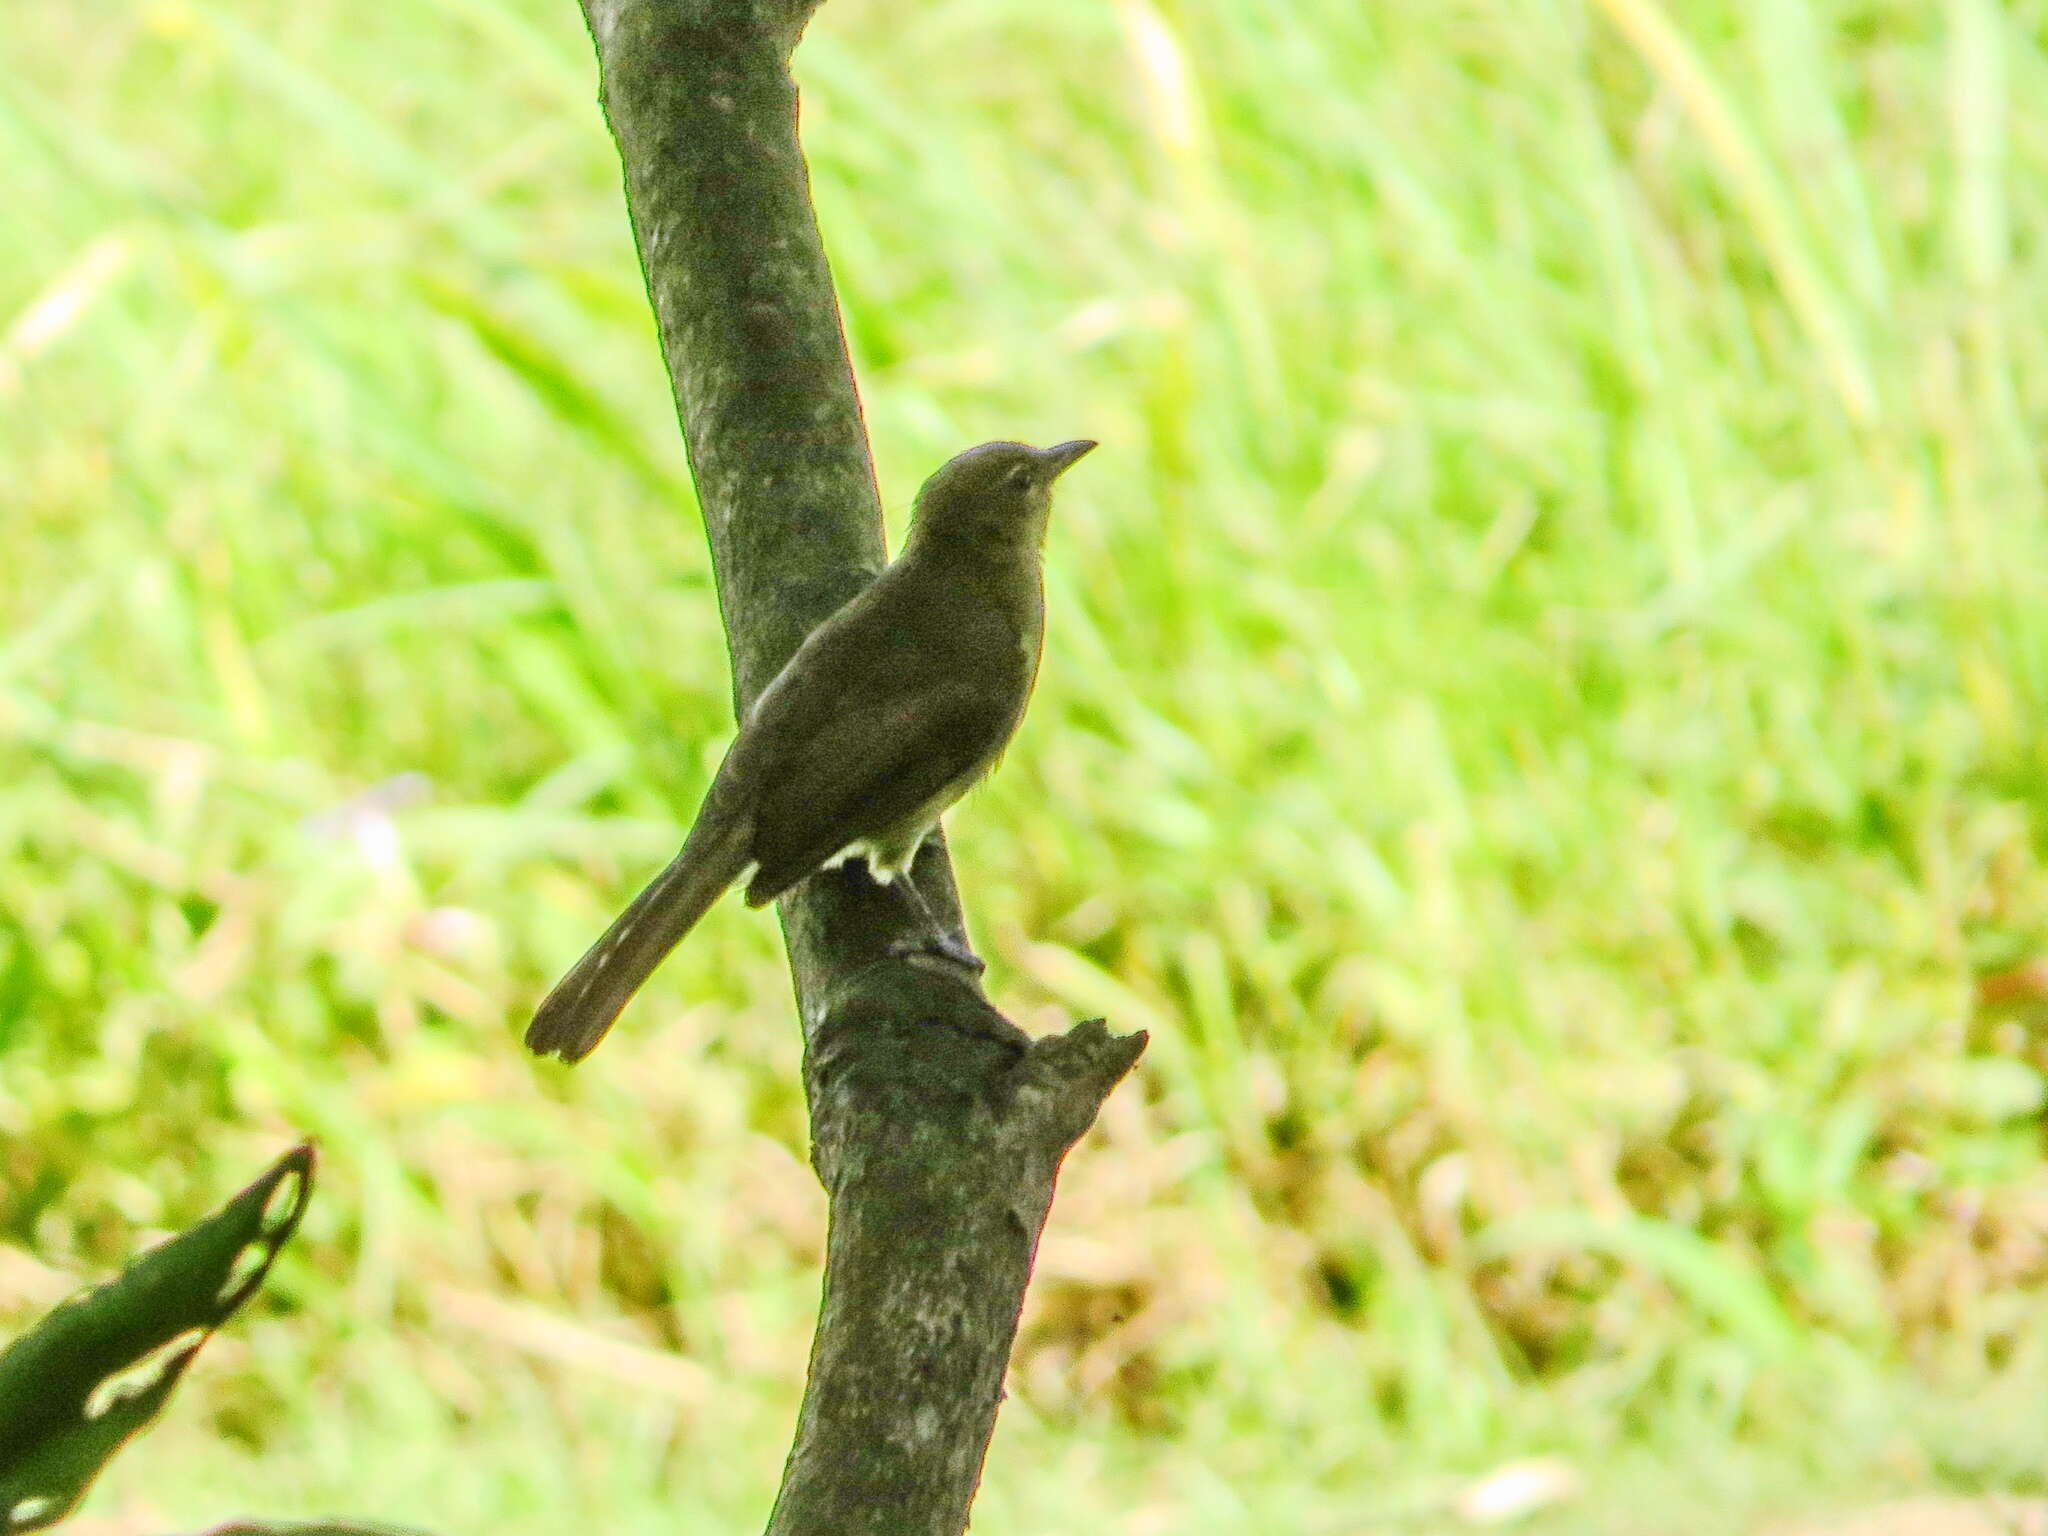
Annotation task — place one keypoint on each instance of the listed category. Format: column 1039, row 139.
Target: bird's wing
column 869, row 771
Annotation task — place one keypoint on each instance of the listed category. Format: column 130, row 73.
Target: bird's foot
column 943, row 946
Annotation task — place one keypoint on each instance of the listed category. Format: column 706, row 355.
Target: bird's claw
column 944, row 946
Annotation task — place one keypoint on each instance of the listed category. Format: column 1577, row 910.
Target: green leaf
column 75, row 1387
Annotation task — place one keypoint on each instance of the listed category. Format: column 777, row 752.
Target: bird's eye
column 1019, row 479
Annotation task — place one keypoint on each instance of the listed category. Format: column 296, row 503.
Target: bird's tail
column 584, row 1004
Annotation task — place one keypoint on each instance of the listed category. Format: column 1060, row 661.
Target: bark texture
column 937, row 1126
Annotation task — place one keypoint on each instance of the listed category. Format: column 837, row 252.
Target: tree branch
column 937, row 1126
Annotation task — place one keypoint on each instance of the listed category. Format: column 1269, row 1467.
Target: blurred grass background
column 1542, row 719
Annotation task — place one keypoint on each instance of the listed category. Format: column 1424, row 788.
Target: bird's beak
column 1061, row 456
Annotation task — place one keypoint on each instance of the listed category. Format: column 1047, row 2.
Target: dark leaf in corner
column 97, row 1369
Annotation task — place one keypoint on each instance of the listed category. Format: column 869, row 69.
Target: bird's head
column 996, row 496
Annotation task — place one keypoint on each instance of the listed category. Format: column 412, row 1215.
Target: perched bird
column 892, row 709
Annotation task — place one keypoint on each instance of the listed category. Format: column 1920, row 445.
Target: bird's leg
column 939, row 939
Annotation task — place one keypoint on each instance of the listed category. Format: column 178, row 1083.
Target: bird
column 888, row 713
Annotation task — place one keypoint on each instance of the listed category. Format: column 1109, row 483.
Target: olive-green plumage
column 890, row 711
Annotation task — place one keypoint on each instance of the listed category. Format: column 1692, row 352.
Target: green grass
column 1542, row 719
